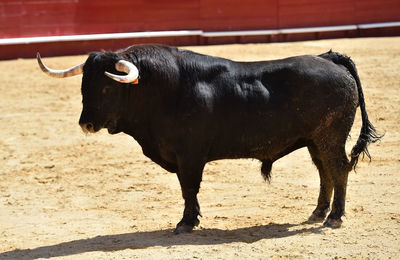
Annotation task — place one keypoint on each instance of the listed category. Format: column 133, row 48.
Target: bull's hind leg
column 339, row 167
column 325, row 190
column 334, row 167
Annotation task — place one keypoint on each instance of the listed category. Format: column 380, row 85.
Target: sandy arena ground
column 68, row 195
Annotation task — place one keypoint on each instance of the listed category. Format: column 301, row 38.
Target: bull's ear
column 129, row 68
column 135, row 82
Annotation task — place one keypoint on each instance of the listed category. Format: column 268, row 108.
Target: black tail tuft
column 368, row 134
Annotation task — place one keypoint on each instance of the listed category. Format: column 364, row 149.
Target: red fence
column 31, row 18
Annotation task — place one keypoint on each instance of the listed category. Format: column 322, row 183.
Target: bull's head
column 101, row 94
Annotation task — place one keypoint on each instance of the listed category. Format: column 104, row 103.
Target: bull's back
column 268, row 107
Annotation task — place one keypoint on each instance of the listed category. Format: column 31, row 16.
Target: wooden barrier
column 32, row 18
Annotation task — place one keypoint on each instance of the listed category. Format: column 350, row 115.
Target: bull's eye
column 106, row 89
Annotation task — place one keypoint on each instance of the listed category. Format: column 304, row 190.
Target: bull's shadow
column 165, row 238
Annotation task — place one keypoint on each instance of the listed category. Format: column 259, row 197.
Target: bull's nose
column 87, row 127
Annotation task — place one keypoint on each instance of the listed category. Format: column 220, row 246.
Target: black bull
column 188, row 109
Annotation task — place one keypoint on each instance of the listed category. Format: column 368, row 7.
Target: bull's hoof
column 333, row 223
column 318, row 215
column 182, row 227
column 316, row 218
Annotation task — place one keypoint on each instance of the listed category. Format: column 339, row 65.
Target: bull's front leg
column 189, row 175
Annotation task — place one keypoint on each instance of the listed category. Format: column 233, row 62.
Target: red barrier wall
column 27, row 18
column 31, row 18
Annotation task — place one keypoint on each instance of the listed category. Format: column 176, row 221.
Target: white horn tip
column 76, row 70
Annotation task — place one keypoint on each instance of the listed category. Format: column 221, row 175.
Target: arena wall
column 20, row 20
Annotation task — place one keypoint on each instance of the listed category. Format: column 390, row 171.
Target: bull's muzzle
column 87, row 127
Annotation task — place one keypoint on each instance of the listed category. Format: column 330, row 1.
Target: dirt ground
column 68, row 195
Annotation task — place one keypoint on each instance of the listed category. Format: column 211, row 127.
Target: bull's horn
column 127, row 67
column 76, row 70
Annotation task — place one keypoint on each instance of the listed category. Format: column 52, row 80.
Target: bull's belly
column 268, row 148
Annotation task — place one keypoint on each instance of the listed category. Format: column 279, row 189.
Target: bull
column 186, row 109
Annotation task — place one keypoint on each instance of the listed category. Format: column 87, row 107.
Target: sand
column 68, row 195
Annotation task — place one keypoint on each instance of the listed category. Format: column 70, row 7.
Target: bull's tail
column 368, row 133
